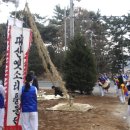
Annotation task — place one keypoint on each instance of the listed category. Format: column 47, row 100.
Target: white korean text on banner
column 18, row 44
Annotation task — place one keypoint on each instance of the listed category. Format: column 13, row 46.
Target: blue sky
column 45, row 8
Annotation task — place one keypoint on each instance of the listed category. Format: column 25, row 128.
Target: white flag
column 18, row 44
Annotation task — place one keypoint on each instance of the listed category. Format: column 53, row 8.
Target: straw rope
column 43, row 53
column 2, row 60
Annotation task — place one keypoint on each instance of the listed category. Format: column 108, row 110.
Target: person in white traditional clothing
column 128, row 83
column 128, row 108
column 2, row 97
column 101, row 81
column 116, row 82
column 121, row 86
column 104, row 84
column 28, row 98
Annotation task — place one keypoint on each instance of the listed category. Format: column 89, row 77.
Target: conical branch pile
column 43, row 53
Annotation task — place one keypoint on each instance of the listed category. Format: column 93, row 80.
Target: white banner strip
column 15, row 70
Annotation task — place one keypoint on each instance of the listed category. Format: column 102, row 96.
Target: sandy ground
column 107, row 113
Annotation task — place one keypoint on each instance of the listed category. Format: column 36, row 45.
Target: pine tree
column 79, row 66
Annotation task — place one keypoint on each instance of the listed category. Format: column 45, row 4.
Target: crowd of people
column 121, row 85
column 27, row 102
column 28, row 96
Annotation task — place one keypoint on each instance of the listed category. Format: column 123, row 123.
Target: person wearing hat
column 2, row 97
column 28, row 98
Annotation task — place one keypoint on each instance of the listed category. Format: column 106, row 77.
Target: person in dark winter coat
column 57, row 91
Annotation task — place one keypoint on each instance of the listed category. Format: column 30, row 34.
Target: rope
column 2, row 60
column 43, row 53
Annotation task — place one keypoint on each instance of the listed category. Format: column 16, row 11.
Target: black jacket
column 35, row 82
column 58, row 91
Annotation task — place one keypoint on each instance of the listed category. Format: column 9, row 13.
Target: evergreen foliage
column 79, row 66
column 3, row 33
column 35, row 62
column 56, row 57
column 118, row 30
column 108, row 36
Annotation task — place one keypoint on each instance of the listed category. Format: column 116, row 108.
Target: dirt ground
column 107, row 114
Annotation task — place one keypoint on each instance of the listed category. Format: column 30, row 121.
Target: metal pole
column 65, row 27
column 15, row 16
column 71, row 19
column 16, row 6
column 91, row 38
